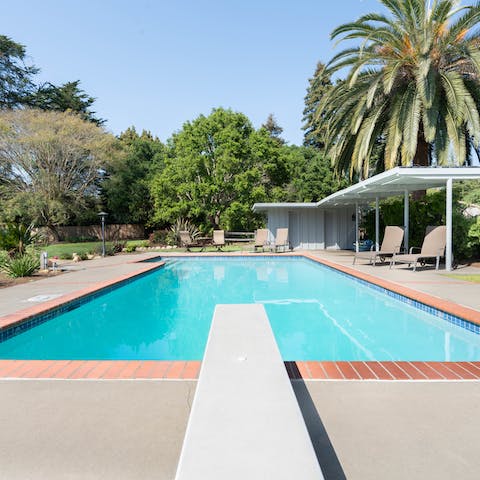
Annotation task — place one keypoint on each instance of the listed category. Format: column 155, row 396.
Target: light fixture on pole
column 102, row 215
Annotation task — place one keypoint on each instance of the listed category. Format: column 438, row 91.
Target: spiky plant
column 184, row 225
column 412, row 85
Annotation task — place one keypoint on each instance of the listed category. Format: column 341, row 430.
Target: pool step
column 245, row 421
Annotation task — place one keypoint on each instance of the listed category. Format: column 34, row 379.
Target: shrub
column 130, row 248
column 474, row 237
column 97, row 250
column 116, row 247
column 16, row 236
column 158, row 237
column 21, row 265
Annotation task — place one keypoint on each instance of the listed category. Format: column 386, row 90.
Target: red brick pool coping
column 178, row 370
column 137, row 369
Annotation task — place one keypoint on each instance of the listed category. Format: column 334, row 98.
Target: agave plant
column 20, row 265
column 412, row 85
column 184, row 225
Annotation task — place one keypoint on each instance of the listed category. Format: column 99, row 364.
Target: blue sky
column 156, row 64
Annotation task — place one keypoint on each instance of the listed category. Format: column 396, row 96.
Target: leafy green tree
column 314, row 125
column 126, row 186
column 311, row 176
column 66, row 97
column 50, row 165
column 413, row 81
column 215, row 169
column 15, row 75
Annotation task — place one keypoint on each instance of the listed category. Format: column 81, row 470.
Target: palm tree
column 412, row 87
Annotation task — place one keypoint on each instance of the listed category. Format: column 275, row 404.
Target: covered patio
column 394, row 182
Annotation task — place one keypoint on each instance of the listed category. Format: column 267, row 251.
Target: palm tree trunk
column 422, row 155
column 421, row 159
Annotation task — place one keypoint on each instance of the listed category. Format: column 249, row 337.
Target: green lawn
column 65, row 250
column 475, row 278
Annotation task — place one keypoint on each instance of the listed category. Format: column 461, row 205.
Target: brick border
column 383, row 370
column 99, row 369
column 189, row 370
column 155, row 369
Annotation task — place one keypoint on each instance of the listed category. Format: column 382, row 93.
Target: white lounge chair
column 187, row 242
column 218, row 239
column 281, row 240
column 433, row 247
column 261, row 239
column 392, row 242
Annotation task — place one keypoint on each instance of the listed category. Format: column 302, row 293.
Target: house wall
column 314, row 228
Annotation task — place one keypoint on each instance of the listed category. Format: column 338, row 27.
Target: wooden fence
column 94, row 232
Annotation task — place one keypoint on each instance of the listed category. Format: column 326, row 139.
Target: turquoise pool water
column 315, row 313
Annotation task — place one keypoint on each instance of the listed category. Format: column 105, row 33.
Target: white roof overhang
column 261, row 207
column 396, row 181
column 393, row 182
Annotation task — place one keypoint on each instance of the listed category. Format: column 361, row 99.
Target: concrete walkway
column 76, row 277
column 393, row 430
column 92, row 430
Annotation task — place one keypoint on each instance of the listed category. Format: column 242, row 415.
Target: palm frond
column 463, row 24
column 412, row 115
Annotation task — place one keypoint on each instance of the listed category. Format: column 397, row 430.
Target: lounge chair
column 261, row 239
column 433, row 247
column 218, row 239
column 187, row 242
column 392, row 241
column 281, row 240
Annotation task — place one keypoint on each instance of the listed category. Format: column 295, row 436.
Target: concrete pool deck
column 114, row 429
column 134, row 429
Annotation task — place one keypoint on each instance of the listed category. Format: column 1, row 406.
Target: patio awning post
column 405, row 219
column 448, row 214
column 356, row 228
column 377, row 225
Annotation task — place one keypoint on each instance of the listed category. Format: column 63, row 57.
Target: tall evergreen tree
column 16, row 82
column 314, row 125
column 66, row 97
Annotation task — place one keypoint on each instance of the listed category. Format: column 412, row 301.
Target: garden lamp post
column 102, row 215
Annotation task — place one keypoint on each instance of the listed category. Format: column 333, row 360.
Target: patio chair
column 187, row 242
column 218, row 239
column 392, row 241
column 433, row 246
column 281, row 240
column 261, row 239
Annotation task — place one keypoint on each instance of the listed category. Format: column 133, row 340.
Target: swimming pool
column 315, row 313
